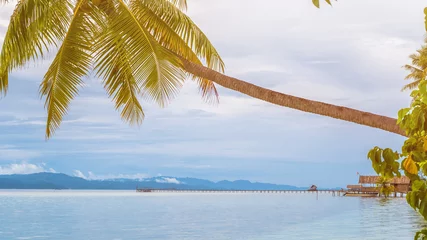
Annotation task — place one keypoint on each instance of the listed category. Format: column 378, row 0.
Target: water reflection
column 128, row 215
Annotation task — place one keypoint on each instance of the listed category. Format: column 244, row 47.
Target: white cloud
column 78, row 173
column 348, row 55
column 168, row 180
column 188, row 166
column 92, row 176
column 12, row 153
column 137, row 176
column 22, row 122
column 24, row 168
column 226, row 148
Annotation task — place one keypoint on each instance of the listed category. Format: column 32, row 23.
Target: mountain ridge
column 48, row 180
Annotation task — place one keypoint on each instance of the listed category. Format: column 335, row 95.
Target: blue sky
column 348, row 55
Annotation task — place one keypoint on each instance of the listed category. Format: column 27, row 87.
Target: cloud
column 168, row 180
column 78, row 173
column 241, row 148
column 92, row 176
column 136, row 176
column 24, row 168
column 347, row 55
column 188, row 166
column 11, row 153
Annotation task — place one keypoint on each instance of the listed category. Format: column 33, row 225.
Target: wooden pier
column 332, row 192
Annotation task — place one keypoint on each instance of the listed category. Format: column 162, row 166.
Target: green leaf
column 414, row 93
column 398, row 174
column 378, row 156
column 422, row 120
column 414, row 120
column 412, row 199
column 418, row 185
column 371, row 154
column 402, row 113
column 316, row 3
column 423, row 207
column 329, row 2
column 425, row 21
column 395, row 167
column 417, row 156
column 422, row 87
column 383, row 167
column 389, row 156
column 409, row 165
column 423, row 167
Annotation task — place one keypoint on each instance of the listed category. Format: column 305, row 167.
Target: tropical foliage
column 417, row 68
column 384, row 186
column 146, row 48
column 412, row 159
column 139, row 48
column 144, row 60
column 317, row 3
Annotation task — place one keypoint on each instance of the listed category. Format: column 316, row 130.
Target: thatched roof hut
column 369, row 184
column 354, row 187
column 374, row 180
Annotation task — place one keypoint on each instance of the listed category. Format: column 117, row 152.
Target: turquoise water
column 129, row 215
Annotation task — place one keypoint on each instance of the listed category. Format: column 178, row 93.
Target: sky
column 350, row 54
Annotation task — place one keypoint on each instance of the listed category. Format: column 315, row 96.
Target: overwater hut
column 368, row 184
column 400, row 184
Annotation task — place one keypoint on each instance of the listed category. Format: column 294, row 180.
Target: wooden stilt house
column 369, row 185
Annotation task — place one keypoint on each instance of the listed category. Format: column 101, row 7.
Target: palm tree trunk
column 302, row 104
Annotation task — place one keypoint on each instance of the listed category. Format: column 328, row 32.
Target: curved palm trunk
column 302, row 104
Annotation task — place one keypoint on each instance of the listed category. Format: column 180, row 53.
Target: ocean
column 102, row 215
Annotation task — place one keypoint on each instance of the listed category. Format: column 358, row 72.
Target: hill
column 63, row 181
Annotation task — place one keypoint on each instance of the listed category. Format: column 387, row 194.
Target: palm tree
column 139, row 48
column 417, row 69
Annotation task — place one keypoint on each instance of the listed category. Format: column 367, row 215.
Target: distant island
column 63, row 181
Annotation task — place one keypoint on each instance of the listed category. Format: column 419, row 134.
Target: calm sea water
column 129, row 215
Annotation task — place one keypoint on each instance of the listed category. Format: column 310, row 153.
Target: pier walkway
column 332, row 192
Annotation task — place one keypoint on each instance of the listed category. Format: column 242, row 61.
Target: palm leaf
column 34, row 26
column 168, row 38
column 156, row 70
column 181, row 4
column 113, row 65
column 418, row 69
column 187, row 30
column 71, row 64
column 416, row 73
column 411, row 85
column 317, row 3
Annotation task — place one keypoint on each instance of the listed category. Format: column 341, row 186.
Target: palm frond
column 415, row 58
column 181, row 4
column 156, row 70
column 113, row 65
column 34, row 26
column 170, row 39
column 317, row 3
column 416, row 73
column 71, row 64
column 187, row 30
column 418, row 69
column 411, row 86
